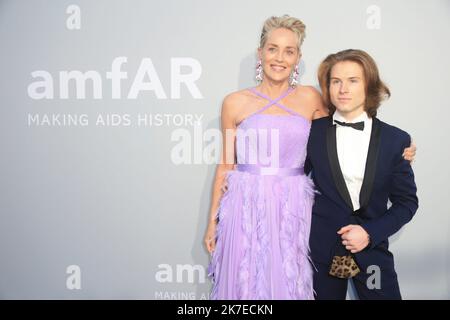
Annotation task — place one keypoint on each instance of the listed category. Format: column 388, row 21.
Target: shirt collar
column 338, row 116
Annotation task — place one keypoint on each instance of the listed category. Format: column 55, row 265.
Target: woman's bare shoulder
column 309, row 96
column 234, row 101
column 238, row 96
column 311, row 101
column 307, row 92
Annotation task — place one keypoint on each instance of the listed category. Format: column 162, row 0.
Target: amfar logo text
column 181, row 273
column 43, row 86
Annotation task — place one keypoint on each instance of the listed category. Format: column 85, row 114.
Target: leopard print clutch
column 344, row 267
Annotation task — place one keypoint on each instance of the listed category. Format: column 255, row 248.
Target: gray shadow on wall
column 198, row 251
column 199, row 254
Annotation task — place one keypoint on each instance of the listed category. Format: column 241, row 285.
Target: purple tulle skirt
column 262, row 249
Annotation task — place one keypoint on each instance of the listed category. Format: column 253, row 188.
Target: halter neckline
column 281, row 96
column 274, row 101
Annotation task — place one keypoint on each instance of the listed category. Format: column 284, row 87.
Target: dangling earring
column 294, row 76
column 259, row 71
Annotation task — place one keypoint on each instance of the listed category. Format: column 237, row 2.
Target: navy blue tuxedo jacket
column 387, row 177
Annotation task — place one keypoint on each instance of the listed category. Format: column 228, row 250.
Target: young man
column 357, row 166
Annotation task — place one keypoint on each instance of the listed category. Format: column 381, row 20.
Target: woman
column 258, row 229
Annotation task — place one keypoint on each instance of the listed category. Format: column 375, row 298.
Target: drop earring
column 294, row 76
column 258, row 76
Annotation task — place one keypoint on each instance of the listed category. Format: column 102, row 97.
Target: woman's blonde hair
column 285, row 21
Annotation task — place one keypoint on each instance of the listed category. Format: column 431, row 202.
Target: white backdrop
column 109, row 132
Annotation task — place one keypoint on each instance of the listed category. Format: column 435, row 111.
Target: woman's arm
column 226, row 164
column 227, row 159
column 410, row 152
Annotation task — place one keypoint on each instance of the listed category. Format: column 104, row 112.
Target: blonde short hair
column 287, row 22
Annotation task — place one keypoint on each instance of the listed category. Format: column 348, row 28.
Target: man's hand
column 354, row 237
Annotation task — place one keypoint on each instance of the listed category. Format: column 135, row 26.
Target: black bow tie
column 356, row 125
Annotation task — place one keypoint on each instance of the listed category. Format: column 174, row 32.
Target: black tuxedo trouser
column 328, row 287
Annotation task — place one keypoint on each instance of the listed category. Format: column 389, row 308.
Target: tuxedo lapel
column 371, row 163
column 334, row 165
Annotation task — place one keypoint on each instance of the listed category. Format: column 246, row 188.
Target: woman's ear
column 259, row 53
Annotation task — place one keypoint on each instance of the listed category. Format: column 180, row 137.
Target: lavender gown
column 264, row 216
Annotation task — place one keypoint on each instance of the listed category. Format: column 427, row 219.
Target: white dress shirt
column 352, row 147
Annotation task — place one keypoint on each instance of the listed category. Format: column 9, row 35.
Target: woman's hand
column 410, row 152
column 210, row 237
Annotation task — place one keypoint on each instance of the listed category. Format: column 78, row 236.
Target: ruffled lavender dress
column 262, row 249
